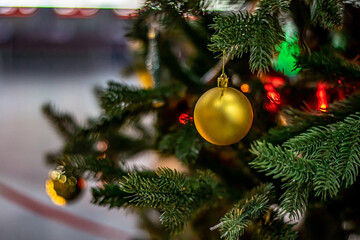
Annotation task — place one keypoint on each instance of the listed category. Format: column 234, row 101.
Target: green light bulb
column 288, row 51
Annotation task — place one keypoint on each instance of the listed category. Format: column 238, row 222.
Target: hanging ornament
column 62, row 188
column 223, row 115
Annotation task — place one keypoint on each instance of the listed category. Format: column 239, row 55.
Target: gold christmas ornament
column 223, row 115
column 62, row 188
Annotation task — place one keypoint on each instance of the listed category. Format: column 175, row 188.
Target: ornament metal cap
column 222, row 81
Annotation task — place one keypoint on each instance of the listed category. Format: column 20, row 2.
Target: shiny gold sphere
column 223, row 115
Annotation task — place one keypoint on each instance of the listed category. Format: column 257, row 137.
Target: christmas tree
column 293, row 176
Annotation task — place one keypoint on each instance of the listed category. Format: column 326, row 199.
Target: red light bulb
column 321, row 96
column 274, row 97
column 185, row 118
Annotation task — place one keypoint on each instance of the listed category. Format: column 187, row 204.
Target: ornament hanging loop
column 223, row 80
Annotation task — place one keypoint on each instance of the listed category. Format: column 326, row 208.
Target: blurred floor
column 29, row 77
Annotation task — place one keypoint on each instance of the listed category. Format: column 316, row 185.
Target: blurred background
column 52, row 52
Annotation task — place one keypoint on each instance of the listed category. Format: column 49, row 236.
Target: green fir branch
column 292, row 169
column 118, row 98
column 170, row 15
column 177, row 196
column 349, row 152
column 233, row 223
column 329, row 64
column 256, row 33
column 171, row 9
column 92, row 167
column 321, row 160
column 342, row 109
column 320, row 144
column 326, row 180
column 128, row 146
column 184, row 143
column 280, row 163
column 64, row 123
column 274, row 227
column 274, row 7
column 311, row 143
column 299, row 121
column 327, row 147
column 327, row 13
column 231, row 34
column 354, row 3
column 294, row 200
column 111, row 196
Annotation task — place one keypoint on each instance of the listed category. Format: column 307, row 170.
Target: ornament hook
column 223, row 80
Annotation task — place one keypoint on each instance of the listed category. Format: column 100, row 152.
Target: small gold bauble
column 223, row 115
column 62, row 188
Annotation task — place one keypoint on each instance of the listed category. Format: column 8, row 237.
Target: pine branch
column 342, row 109
column 153, row 228
column 64, row 123
column 184, row 143
column 243, row 33
column 285, row 164
column 348, row 153
column 121, row 104
column 171, row 9
column 294, row 170
column 80, row 154
column 118, row 98
column 176, row 69
column 327, row 147
column 110, row 195
column 260, row 32
column 354, row 3
column 91, row 166
column 273, row 227
column 294, row 200
column 329, row 64
column 81, row 139
column 233, row 223
column 128, row 146
column 327, row 13
column 299, row 121
column 322, row 160
column 172, row 15
column 177, row 196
